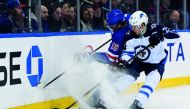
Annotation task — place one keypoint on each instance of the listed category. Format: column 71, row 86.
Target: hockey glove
column 119, row 65
column 122, row 64
column 155, row 38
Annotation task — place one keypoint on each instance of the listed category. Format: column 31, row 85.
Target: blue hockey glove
column 155, row 38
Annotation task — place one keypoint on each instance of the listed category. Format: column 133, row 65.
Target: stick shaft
column 53, row 80
column 101, row 45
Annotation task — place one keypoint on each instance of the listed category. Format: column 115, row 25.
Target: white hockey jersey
column 150, row 55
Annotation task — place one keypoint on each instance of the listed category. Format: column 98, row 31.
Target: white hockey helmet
column 138, row 18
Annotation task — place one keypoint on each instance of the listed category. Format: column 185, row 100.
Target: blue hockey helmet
column 13, row 3
column 115, row 16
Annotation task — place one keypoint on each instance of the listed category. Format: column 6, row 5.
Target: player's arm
column 112, row 55
column 102, row 57
column 129, row 52
column 168, row 34
column 161, row 33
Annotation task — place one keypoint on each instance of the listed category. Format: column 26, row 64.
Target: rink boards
column 27, row 59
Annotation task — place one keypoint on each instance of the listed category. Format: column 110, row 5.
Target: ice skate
column 135, row 105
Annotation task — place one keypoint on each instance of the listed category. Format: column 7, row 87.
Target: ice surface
column 171, row 98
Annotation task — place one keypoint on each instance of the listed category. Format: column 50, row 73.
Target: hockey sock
column 151, row 82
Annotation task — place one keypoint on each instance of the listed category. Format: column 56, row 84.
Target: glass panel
column 127, row 6
column 93, row 15
column 188, row 14
column 172, row 14
column 150, row 8
column 61, row 15
column 89, row 17
column 13, row 16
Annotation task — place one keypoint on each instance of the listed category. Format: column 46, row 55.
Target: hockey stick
column 101, row 46
column 65, row 72
column 53, row 79
column 75, row 102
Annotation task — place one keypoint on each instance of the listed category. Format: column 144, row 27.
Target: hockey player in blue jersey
column 151, row 60
column 118, row 23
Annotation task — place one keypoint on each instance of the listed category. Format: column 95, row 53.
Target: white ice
column 169, row 98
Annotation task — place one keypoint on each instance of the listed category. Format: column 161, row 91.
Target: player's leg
column 131, row 73
column 119, row 84
column 97, row 100
column 152, row 80
column 123, row 82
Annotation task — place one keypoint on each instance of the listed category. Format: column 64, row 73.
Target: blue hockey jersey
column 116, row 47
column 117, row 44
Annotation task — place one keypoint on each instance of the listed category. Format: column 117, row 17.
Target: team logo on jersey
column 114, row 46
column 144, row 55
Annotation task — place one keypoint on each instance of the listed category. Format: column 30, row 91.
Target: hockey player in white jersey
column 151, row 60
